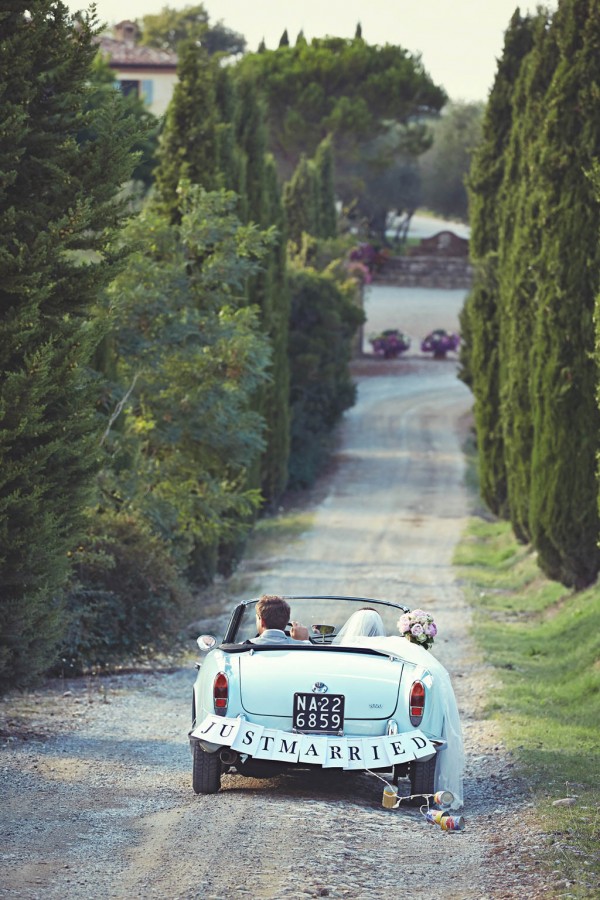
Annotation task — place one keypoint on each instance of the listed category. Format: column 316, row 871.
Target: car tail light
column 221, row 693
column 416, row 702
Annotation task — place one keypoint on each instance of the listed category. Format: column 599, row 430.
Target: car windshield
column 329, row 619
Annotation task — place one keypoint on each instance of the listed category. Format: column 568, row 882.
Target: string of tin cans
column 446, row 820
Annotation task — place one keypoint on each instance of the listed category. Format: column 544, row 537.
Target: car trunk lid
column 270, row 678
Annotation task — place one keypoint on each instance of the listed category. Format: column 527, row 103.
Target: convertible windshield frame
column 241, row 610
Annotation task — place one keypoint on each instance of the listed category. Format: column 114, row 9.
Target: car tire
column 422, row 776
column 206, row 771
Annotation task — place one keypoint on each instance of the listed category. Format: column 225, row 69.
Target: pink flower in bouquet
column 404, row 624
column 418, row 626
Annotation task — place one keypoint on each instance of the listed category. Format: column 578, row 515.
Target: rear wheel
column 206, row 770
column 422, row 776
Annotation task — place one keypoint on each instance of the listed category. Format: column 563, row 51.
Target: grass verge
column 543, row 640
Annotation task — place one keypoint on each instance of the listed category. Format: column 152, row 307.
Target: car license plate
column 319, row 713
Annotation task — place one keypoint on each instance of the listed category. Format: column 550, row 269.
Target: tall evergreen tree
column 323, row 322
column 520, row 235
column 62, row 161
column 300, row 197
column 327, row 214
column 564, row 513
column 268, row 290
column 228, row 149
column 190, row 146
column 276, row 399
column 480, row 316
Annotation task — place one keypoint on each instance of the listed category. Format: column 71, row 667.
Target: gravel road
column 95, row 775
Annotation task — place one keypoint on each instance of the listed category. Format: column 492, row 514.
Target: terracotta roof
column 125, row 53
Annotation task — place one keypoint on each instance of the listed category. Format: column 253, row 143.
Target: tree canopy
column 170, row 27
column 353, row 92
column 444, row 167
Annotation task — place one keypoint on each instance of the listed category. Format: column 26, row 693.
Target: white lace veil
column 362, row 623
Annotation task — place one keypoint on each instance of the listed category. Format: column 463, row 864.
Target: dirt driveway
column 95, row 776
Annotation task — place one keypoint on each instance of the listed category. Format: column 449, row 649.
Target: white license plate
column 321, row 713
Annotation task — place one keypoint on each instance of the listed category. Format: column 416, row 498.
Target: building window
column 142, row 89
column 130, row 88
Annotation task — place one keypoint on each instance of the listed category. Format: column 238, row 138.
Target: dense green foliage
column 64, row 153
column 480, row 318
column 102, row 81
column 170, row 27
column 371, row 101
column 191, row 355
column 300, row 198
column 530, row 353
column 324, row 318
column 126, row 599
column 444, row 167
column 163, row 382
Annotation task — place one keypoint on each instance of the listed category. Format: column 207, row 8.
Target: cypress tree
column 62, row 161
column 519, row 248
column 564, row 513
column 190, row 147
column 300, row 195
column 327, row 214
column 323, row 321
column 480, row 316
column 276, row 405
column 268, row 290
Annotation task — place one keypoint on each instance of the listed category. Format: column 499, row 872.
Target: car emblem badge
column 320, row 688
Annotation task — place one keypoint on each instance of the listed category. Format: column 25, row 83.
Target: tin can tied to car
column 444, row 820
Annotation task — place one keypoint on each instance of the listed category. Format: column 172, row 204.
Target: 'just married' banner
column 323, row 750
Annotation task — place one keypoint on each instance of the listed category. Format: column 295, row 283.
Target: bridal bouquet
column 418, row 627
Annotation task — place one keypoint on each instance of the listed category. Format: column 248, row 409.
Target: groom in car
column 272, row 619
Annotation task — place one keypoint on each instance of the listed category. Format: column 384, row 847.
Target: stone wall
column 426, row 271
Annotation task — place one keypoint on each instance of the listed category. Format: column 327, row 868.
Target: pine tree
column 564, row 513
column 284, row 40
column 62, row 162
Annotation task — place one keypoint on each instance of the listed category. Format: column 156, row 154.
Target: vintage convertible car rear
column 370, row 702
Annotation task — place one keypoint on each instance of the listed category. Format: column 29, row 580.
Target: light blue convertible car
column 342, row 699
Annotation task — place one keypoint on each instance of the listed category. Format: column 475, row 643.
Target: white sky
column 459, row 41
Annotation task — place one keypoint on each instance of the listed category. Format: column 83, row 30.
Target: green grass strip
column 544, row 641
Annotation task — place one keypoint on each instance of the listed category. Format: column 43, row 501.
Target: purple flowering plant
column 418, row 627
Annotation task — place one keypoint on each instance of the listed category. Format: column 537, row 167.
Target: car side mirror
column 206, row 642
